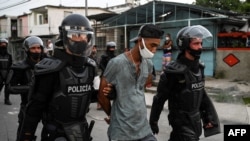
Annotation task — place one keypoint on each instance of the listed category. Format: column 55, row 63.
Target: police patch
column 197, row 85
column 79, row 89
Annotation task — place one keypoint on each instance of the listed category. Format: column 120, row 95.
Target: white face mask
column 145, row 53
column 167, row 38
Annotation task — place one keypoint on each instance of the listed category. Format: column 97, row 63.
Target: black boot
column 7, row 102
column 6, row 98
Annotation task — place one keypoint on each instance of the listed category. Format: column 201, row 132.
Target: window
column 41, row 18
column 20, row 26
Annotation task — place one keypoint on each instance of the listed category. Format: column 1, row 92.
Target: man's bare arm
column 104, row 90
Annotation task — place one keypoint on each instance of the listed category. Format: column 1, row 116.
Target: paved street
column 229, row 113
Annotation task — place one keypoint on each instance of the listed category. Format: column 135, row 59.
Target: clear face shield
column 78, row 40
column 197, row 31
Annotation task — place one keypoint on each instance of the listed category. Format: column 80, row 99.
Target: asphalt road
column 8, row 121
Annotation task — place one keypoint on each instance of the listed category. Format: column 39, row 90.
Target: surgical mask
column 167, row 38
column 145, row 53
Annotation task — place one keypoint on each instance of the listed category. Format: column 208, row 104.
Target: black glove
column 154, row 127
column 27, row 137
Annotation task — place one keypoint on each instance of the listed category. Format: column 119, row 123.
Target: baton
column 91, row 125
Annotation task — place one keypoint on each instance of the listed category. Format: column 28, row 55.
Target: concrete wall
column 4, row 28
column 240, row 71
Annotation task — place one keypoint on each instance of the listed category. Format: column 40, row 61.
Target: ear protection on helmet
column 183, row 43
column 181, row 40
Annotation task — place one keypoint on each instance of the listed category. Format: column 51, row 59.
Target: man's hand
column 154, row 127
column 107, row 119
column 107, row 89
column 27, row 137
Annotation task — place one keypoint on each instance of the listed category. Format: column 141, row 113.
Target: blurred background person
column 93, row 54
column 109, row 54
column 5, row 63
column 49, row 49
column 167, row 51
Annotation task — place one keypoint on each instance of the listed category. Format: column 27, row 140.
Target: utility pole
column 153, row 12
column 86, row 7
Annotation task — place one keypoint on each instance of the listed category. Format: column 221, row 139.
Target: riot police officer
column 182, row 84
column 20, row 79
column 109, row 54
column 5, row 63
column 63, row 86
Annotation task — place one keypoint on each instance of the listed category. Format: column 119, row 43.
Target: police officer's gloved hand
column 154, row 127
column 27, row 137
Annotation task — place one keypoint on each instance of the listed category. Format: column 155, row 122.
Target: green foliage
column 245, row 8
column 246, row 100
column 230, row 5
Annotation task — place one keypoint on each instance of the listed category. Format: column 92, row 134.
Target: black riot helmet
column 111, row 45
column 31, row 41
column 186, row 33
column 2, row 40
column 75, row 34
column 3, row 46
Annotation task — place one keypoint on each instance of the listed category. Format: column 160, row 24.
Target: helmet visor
column 198, row 31
column 79, row 36
column 77, row 33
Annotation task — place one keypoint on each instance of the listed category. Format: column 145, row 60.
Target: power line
column 15, row 4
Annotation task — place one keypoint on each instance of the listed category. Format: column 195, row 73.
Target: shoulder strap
column 20, row 65
column 48, row 65
column 91, row 62
column 176, row 67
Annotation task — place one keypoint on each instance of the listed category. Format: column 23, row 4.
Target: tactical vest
column 185, row 101
column 29, row 78
column 71, row 100
column 187, row 93
column 4, row 65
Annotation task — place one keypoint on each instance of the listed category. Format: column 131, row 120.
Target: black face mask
column 77, row 47
column 111, row 53
column 35, row 56
column 195, row 53
column 3, row 50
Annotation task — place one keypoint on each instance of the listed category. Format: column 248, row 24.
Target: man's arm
column 104, row 90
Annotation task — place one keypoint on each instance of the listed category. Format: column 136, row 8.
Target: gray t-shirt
column 129, row 111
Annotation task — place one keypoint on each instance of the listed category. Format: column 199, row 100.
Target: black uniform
column 182, row 84
column 20, row 80
column 104, row 60
column 5, row 63
column 61, row 98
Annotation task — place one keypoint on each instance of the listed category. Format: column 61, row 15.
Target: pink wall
column 25, row 28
